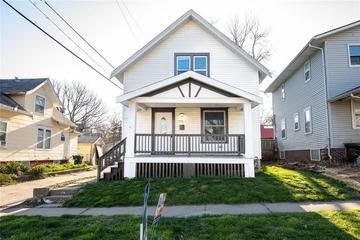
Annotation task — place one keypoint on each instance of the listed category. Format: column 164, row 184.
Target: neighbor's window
column 315, row 155
column 283, row 128
column 182, row 64
column 214, row 125
column 296, row 121
column 3, row 130
column 283, row 92
column 39, row 104
column 43, row 138
column 197, row 62
column 355, row 109
column 282, row 154
column 308, row 122
column 354, row 55
column 307, row 71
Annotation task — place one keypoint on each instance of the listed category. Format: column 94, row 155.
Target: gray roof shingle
column 19, row 86
column 5, row 100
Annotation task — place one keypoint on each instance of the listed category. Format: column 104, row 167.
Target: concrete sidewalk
column 192, row 210
column 20, row 192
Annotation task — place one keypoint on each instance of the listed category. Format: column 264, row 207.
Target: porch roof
column 348, row 94
column 181, row 77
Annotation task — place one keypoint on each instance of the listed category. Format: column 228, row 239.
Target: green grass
column 329, row 225
column 274, row 184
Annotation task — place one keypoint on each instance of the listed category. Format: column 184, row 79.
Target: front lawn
column 329, row 225
column 274, row 184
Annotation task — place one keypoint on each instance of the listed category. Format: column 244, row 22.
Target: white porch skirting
column 130, row 162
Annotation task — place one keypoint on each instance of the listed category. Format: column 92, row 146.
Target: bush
column 37, row 171
column 77, row 159
column 6, row 179
column 49, row 168
column 13, row 168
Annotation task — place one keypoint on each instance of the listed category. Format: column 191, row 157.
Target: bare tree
column 250, row 36
column 81, row 106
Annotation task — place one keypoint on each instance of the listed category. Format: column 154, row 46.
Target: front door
column 163, row 130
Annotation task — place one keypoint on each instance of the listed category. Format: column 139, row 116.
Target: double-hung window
column 308, row 121
column 354, row 55
column 283, row 92
column 39, row 104
column 283, row 128
column 197, row 62
column 3, row 130
column 43, row 138
column 307, row 74
column 355, row 110
column 296, row 121
column 214, row 123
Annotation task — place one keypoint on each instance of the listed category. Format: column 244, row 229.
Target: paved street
column 20, row 192
column 193, row 210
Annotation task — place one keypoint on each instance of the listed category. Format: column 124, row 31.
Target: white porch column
column 249, row 144
column 129, row 132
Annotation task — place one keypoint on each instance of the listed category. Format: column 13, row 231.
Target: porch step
column 116, row 173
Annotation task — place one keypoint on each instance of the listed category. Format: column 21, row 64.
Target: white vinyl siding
column 296, row 121
column 307, row 120
column 3, row 132
column 43, row 138
column 307, row 71
column 355, row 113
column 315, row 155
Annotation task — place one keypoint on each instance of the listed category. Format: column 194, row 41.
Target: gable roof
column 304, row 54
column 90, row 138
column 191, row 15
column 20, row 86
column 186, row 75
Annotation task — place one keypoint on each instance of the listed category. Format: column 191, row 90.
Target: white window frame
column 283, row 94
column 305, row 70
column 200, row 69
column 38, row 95
column 298, row 121
column 353, row 114
column 282, row 154
column 312, row 157
column 44, row 138
column 177, row 63
column 349, row 59
column 311, row 126
column 7, row 126
column 281, row 129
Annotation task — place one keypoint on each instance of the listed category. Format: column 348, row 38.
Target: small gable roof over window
column 190, row 15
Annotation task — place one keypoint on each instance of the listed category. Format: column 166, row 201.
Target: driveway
column 20, row 192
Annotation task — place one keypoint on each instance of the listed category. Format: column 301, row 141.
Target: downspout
column 326, row 98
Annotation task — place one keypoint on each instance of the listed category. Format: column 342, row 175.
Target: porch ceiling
column 188, row 105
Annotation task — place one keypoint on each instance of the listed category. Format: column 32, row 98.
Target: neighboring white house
column 191, row 104
column 316, row 99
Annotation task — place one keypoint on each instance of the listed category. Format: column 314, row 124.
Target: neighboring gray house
column 316, row 98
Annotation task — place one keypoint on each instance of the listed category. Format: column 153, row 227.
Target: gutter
column 326, row 98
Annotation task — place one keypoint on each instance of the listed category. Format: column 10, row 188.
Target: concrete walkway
column 17, row 193
column 192, row 210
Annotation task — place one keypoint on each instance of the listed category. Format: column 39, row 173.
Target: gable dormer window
column 39, row 104
column 197, row 62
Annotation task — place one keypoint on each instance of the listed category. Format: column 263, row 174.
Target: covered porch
column 192, row 127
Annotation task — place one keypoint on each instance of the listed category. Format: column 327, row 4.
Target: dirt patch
column 351, row 176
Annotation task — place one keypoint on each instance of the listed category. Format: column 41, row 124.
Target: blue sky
column 26, row 52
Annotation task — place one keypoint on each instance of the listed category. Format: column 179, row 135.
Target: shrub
column 13, row 168
column 77, row 159
column 6, row 179
column 37, row 171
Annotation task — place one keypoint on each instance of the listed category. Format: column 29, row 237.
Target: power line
column 131, row 16
column 55, row 40
column 126, row 20
column 93, row 48
column 48, row 18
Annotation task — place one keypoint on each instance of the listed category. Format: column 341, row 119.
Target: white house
column 190, row 104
